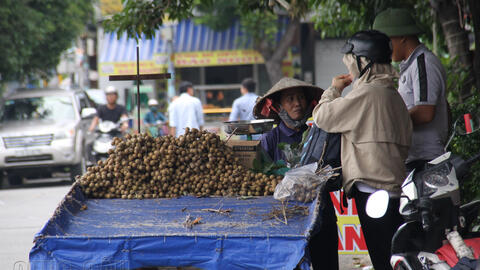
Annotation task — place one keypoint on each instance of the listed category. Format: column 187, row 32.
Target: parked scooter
column 105, row 132
column 430, row 206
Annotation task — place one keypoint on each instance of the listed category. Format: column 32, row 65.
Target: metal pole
column 138, row 89
column 170, row 67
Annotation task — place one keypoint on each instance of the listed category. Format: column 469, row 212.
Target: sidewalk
column 354, row 262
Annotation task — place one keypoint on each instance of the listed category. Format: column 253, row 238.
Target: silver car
column 44, row 134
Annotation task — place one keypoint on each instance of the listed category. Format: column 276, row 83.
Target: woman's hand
column 342, row 81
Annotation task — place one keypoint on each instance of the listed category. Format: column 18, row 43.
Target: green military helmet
column 396, row 22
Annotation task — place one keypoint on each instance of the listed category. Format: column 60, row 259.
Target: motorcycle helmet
column 152, row 102
column 371, row 44
column 111, row 90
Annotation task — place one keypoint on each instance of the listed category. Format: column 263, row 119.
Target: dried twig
column 189, row 221
column 219, row 211
column 245, row 197
column 325, row 169
column 320, row 161
column 286, row 212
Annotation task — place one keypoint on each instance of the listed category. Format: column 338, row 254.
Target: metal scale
column 248, row 127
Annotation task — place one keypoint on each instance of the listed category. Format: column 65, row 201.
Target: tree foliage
column 342, row 18
column 450, row 20
column 144, row 17
column 259, row 20
column 36, row 32
column 468, row 146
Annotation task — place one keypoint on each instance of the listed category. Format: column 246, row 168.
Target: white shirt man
column 185, row 111
column 242, row 108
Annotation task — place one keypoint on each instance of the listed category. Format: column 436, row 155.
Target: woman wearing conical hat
column 290, row 102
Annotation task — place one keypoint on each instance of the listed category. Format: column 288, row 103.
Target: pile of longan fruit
column 197, row 163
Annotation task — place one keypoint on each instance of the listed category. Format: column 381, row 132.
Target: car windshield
column 47, row 108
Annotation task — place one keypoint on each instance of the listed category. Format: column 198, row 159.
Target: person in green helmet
column 422, row 85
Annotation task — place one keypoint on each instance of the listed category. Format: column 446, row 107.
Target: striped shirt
column 422, row 82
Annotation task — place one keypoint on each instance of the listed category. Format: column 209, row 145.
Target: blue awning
column 188, row 37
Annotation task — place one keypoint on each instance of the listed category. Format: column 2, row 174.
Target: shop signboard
column 350, row 235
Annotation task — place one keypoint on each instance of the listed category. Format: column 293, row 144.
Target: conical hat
column 312, row 93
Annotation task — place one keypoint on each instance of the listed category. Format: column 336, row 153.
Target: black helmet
column 372, row 44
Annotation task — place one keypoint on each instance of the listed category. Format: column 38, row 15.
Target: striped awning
column 187, row 37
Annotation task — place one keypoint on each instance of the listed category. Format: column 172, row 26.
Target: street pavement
column 24, row 211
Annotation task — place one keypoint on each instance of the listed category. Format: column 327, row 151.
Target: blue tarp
column 128, row 234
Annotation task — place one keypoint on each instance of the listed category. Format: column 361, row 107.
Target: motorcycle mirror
column 464, row 125
column 467, row 124
column 377, row 204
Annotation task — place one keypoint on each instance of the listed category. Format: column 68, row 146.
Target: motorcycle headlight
column 435, row 179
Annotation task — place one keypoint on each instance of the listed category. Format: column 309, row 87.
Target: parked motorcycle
column 430, row 206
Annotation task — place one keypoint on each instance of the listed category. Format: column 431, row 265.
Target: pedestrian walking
column 185, row 111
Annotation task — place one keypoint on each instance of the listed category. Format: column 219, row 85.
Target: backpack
column 317, row 140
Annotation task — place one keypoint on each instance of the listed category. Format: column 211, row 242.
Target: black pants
column 416, row 164
column 323, row 245
column 378, row 232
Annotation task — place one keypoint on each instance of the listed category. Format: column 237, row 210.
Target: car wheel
column 78, row 169
column 14, row 179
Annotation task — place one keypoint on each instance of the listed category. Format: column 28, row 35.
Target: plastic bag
column 302, row 183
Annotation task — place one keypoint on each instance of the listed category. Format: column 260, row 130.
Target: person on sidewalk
column 242, row 108
column 375, row 132
column 185, row 111
column 290, row 103
column 422, row 85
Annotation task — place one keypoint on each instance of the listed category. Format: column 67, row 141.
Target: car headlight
column 64, row 134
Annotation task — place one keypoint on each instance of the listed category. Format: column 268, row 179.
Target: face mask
column 351, row 63
column 153, row 109
column 293, row 123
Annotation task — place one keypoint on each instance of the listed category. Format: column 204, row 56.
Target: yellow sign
column 191, row 59
column 217, row 58
column 110, row 7
column 124, row 68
